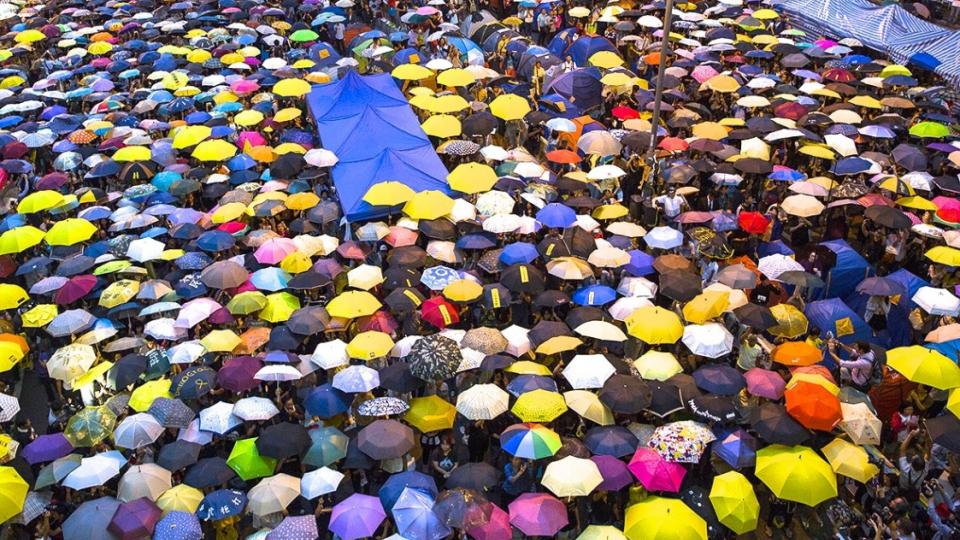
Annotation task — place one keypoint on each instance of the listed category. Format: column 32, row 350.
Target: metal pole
column 658, row 96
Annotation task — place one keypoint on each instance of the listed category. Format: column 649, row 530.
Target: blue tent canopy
column 582, row 84
column 834, row 316
column 850, row 270
column 586, row 46
column 898, row 332
column 366, row 121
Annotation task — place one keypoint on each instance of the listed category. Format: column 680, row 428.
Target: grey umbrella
column 90, row 520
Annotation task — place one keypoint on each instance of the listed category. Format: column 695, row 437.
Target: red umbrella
column 654, row 472
column 625, row 113
column 438, row 312
column 839, row 75
column 75, row 288
column 538, row 514
column 563, row 156
column 673, row 144
column 873, row 199
column 694, row 217
column 753, row 222
column 791, row 110
column 813, row 406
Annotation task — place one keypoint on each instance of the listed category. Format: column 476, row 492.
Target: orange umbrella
column 814, row 370
column 796, row 353
column 813, row 406
column 20, row 341
column 253, row 339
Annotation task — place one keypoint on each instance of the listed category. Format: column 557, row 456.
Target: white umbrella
column 663, row 238
column 186, row 352
column 518, row 344
column 845, row 146
column 711, row 340
column 320, row 482
column 196, row 311
column 494, row 203
column 278, row 373
column 330, row 354
column 136, row 431
column 602, row 330
column 483, row 402
column 604, row 172
column 623, row 307
column 148, row 480
column 9, row 407
column 356, row 379
column 572, row 477
column 610, row 257
column 145, row 249
column 194, row 434
column 71, row 361
column 320, row 157
column 637, row 287
column 588, row 371
column 255, row 408
column 937, row 301
column 472, row 359
column 219, row 418
column 93, row 471
column 402, row 347
column 501, row 223
column 164, row 329
column 774, row 265
column 273, row 494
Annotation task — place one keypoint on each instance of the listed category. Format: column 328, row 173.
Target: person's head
column 516, row 462
column 916, row 462
column 863, row 347
column 569, row 58
column 907, row 410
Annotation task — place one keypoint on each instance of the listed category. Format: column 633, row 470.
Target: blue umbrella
column 851, row 165
column 325, row 401
column 329, row 445
column 415, row 518
column 519, row 252
column 738, row 448
column 392, row 489
column 222, row 504
column 178, row 526
column 594, row 295
column 641, row 264
column 270, row 279
column 438, row 277
column 193, row 260
column 786, row 175
column 214, row 241
column 557, row 216
column 527, row 383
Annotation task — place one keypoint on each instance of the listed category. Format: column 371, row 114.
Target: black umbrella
column 283, row 440
column 545, row 330
column 479, row 477
column 126, row 371
column 616, row 441
column 404, row 300
column 680, row 285
column 283, row 338
column 888, row 216
column 911, row 158
column 801, row 278
column 713, row 408
column 551, row 298
column 462, row 508
column 438, row 229
column 178, row 455
column 435, row 357
column 171, row 412
column 209, row 472
column 496, row 296
column 945, row 431
column 407, row 256
column 395, row 278
column 308, row 320
column 308, row 281
column 397, row 377
column 479, row 124
column 385, row 439
column 697, row 500
column 754, row 316
column 523, row 278
column 774, row 425
column 625, row 394
column 193, row 382
column 719, row 379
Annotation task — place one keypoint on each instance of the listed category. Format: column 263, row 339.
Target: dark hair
column 863, row 346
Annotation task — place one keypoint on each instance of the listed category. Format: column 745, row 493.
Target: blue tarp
column 368, row 124
column 850, row 270
column 834, row 316
column 889, row 29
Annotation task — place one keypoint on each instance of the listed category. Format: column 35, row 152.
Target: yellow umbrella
column 657, row 366
column 526, row 367
column 849, row 460
column 12, row 296
column 388, row 194
column 214, row 150
column 279, row 307
column 246, row 303
column 602, row 532
column 13, row 493
column 30, row 36
column 924, row 366
column 610, row 211
column 429, row 204
column 588, row 405
column 188, row 136
column 448, row 104
column 705, row 306
column 292, row 88
column 710, row 130
column 38, row 201
column 944, row 255
column 559, row 344
column 180, row 498
column 288, row 114
column 472, row 178
column 91, row 375
column 456, row 77
column 724, row 84
column 132, row 153
column 442, row 125
column 509, row 107
column 539, row 406
column 734, row 502
column 654, row 325
column 119, row 292
column 430, row 414
column 579, row 12
column 764, row 14
column 659, row 518
column 296, row 263
column 791, row 322
column 818, row 151
column 248, row 118
column 228, row 212
column 369, row 345
column 19, row 239
column 605, row 60
column 816, row 379
column 463, row 290
column 796, row 473
column 144, row 395
column 221, row 341
column 353, row 304
column 866, row 102
column 617, row 78
column 70, row 231
column 39, row 315
column 302, row 201
column 895, row 69
column 411, row 72
column 174, row 80
column 918, row 203
column 10, row 355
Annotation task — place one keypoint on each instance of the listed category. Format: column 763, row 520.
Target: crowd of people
column 741, row 322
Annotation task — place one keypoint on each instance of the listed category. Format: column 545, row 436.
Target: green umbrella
column 930, row 130
column 247, row 461
column 304, row 35
column 90, row 426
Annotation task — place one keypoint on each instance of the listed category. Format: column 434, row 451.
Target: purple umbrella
column 615, row 473
column 135, row 519
column 357, row 516
column 47, row 448
column 295, row 528
column 237, row 374
column 538, row 514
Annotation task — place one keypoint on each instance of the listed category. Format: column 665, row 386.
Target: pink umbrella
column 399, row 237
column 427, row 11
column 252, row 137
column 538, row 514
column 703, row 73
column 244, row 86
column 654, row 472
column 825, row 43
column 274, row 250
column 496, row 528
column 765, row 383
